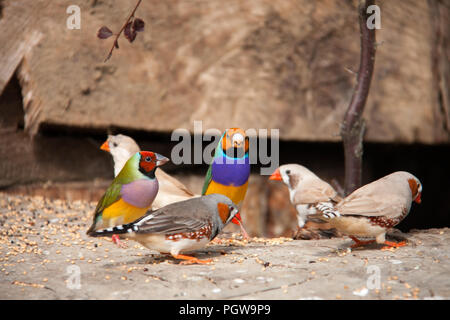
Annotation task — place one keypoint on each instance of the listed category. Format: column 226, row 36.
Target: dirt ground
column 45, row 254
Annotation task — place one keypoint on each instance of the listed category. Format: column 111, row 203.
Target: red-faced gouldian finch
column 179, row 227
column 229, row 170
column 122, row 147
column 373, row 209
column 130, row 194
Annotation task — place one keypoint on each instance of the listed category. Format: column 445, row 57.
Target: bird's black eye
column 148, row 159
column 114, row 144
column 288, row 171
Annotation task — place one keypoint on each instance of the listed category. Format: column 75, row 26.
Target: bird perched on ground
column 179, row 227
column 229, row 170
column 373, row 209
column 171, row 190
column 306, row 190
column 130, row 194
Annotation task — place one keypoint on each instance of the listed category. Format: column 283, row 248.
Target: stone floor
column 45, row 254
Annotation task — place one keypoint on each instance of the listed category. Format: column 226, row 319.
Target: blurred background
column 261, row 64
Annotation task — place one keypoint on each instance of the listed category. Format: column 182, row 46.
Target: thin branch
column 353, row 126
column 116, row 43
column 337, row 186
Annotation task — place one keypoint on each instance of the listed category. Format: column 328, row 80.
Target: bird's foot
column 359, row 243
column 390, row 244
column 303, row 233
column 191, row 260
column 115, row 239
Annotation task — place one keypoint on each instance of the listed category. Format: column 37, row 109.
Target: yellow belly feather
column 121, row 212
column 236, row 194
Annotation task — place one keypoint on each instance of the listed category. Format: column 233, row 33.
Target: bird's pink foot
column 115, row 239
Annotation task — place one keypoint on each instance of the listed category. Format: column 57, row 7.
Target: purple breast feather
column 231, row 173
column 140, row 193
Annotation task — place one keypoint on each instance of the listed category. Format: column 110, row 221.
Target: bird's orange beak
column 418, row 199
column 276, row 175
column 105, row 146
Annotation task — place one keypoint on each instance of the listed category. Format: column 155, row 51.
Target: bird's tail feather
column 120, row 229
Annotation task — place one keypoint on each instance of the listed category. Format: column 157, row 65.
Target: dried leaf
column 138, row 25
column 104, row 33
column 127, row 30
column 129, row 33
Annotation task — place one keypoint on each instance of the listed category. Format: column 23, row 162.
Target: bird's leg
column 244, row 233
column 115, row 239
column 359, row 243
column 190, row 260
column 390, row 244
column 239, row 222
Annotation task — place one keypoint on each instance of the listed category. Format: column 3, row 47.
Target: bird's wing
column 208, row 177
column 373, row 205
column 315, row 191
column 111, row 195
column 175, row 186
column 174, row 219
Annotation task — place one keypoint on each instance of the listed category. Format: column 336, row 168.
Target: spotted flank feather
column 327, row 210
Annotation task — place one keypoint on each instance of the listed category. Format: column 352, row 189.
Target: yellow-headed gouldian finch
column 229, row 170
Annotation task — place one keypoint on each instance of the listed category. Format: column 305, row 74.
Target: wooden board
column 253, row 64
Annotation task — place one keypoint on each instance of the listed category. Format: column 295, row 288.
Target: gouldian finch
column 122, row 147
column 182, row 226
column 229, row 170
column 373, row 209
column 130, row 194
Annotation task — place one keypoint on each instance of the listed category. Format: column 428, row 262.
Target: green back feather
column 208, row 177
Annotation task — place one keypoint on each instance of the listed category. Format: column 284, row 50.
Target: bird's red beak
column 276, row 175
column 418, row 199
column 105, row 146
column 237, row 219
